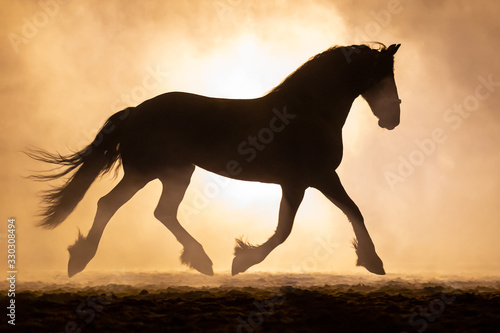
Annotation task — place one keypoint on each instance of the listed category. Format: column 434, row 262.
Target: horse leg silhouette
column 332, row 188
column 85, row 248
column 247, row 255
column 174, row 187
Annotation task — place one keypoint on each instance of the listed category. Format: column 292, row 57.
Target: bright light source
column 236, row 73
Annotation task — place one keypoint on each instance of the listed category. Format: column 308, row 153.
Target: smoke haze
column 429, row 190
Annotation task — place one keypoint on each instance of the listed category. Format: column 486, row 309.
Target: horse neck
column 330, row 103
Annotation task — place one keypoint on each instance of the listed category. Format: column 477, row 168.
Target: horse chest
column 321, row 145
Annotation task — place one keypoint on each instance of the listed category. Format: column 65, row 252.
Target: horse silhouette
column 292, row 136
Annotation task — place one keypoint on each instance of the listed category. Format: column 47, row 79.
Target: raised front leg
column 247, row 255
column 332, row 188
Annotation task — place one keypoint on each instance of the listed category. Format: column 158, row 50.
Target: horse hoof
column 239, row 266
column 80, row 255
column 373, row 265
column 76, row 264
column 205, row 269
column 75, row 268
column 196, row 258
column 246, row 259
column 375, row 270
column 368, row 258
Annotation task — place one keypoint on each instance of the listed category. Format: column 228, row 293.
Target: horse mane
column 337, row 57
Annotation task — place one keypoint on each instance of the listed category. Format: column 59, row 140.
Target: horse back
column 253, row 139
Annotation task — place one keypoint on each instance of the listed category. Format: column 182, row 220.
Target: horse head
column 382, row 94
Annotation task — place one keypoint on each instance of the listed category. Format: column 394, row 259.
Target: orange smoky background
column 429, row 190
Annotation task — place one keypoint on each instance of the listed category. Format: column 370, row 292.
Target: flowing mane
column 337, row 58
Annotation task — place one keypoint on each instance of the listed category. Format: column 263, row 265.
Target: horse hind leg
column 84, row 249
column 175, row 183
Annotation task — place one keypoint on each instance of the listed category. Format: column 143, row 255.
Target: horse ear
column 393, row 49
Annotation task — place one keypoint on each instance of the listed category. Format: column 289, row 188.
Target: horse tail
column 98, row 158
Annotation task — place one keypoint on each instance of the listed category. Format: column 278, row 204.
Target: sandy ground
column 257, row 302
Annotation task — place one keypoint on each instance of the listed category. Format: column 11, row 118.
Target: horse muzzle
column 388, row 125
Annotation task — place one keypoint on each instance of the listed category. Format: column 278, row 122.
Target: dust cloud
column 428, row 190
